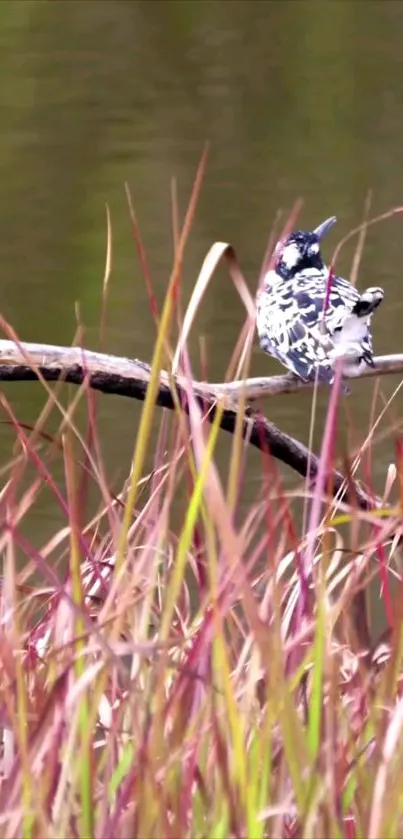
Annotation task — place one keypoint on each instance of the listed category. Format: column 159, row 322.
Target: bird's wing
column 290, row 323
column 342, row 300
column 310, row 299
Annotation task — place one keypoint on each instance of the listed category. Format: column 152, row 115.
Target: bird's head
column 301, row 250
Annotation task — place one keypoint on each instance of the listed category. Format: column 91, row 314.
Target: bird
column 296, row 327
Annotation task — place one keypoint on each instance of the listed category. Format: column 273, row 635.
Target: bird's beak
column 324, row 227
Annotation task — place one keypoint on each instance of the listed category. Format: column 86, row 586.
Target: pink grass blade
column 143, row 258
column 164, row 328
column 78, row 644
column 363, row 226
column 270, row 253
column 361, row 241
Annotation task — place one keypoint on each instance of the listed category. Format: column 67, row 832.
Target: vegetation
column 207, row 677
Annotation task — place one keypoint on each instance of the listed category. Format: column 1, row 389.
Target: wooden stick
column 129, row 377
column 20, row 361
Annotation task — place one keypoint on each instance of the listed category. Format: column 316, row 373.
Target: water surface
column 298, row 99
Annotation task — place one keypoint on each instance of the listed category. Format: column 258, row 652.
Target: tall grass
column 202, row 679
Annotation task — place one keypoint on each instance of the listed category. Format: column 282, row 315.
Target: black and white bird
column 292, row 323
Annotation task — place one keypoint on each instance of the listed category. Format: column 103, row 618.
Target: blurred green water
column 297, row 99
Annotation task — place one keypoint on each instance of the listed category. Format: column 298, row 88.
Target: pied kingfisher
column 291, row 322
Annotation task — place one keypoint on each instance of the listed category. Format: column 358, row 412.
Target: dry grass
column 210, row 681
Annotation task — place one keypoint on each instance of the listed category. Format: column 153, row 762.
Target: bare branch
column 130, row 377
column 256, row 388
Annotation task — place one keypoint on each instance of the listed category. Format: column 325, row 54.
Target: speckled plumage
column 290, row 321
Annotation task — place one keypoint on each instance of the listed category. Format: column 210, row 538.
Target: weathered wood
column 130, row 377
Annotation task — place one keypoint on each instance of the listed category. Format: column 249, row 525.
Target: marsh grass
column 208, row 679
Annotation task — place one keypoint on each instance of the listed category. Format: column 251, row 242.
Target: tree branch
column 126, row 377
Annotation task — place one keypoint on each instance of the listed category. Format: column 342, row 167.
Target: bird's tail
column 368, row 302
